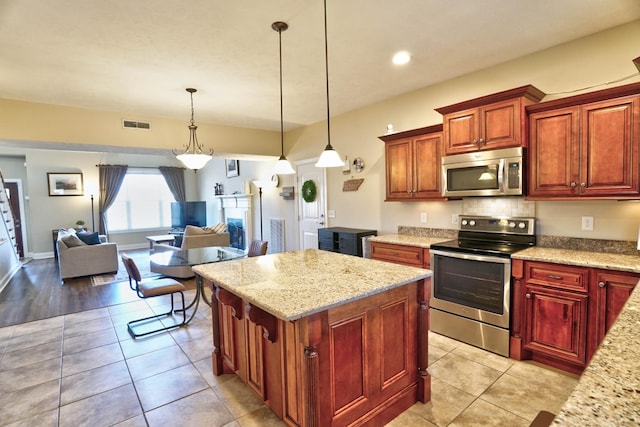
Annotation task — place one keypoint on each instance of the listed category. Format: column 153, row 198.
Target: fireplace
column 235, row 212
column 237, row 237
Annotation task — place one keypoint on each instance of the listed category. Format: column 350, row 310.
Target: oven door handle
column 473, row 257
column 501, row 176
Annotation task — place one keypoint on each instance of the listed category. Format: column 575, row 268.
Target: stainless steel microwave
column 483, row 173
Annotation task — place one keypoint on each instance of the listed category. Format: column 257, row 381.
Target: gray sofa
column 194, row 237
column 82, row 259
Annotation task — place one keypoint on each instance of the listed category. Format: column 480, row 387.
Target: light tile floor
column 84, row 369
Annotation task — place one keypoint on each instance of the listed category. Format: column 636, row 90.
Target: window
column 143, row 202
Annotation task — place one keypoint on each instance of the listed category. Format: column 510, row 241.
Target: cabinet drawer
column 560, row 276
column 408, row 255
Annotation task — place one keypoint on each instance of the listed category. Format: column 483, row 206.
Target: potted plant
column 79, row 225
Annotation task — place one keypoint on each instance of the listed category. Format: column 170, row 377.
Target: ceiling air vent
column 131, row 124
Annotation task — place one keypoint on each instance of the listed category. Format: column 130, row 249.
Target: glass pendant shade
column 329, row 158
column 193, row 161
column 283, row 167
column 193, row 156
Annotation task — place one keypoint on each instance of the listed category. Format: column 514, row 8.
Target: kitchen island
column 323, row 338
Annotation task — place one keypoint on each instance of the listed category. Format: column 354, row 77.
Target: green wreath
column 309, row 191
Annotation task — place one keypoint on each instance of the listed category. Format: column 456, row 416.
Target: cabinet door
column 610, row 138
column 500, row 125
column 613, row 291
column 554, row 153
column 427, row 166
column 461, row 132
column 399, row 169
column 556, row 324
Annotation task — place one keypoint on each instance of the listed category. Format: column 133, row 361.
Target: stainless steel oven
column 471, row 283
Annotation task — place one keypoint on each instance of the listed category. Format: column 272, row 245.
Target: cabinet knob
column 528, row 296
column 481, row 141
column 583, row 184
column 573, row 184
column 602, row 284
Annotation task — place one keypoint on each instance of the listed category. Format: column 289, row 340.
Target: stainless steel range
column 471, row 283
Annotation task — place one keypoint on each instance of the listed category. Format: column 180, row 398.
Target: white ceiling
column 137, row 57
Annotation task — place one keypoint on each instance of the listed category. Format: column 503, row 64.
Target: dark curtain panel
column 111, row 177
column 175, row 180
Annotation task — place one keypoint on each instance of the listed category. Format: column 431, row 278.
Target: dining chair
column 153, row 288
column 257, row 248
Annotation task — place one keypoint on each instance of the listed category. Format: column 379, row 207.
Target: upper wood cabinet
column 413, row 166
column 586, row 146
column 490, row 122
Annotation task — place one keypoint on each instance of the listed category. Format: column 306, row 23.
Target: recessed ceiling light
column 401, row 58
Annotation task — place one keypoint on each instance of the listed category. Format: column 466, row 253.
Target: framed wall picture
column 65, row 184
column 233, row 168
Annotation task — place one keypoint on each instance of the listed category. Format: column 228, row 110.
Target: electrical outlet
column 587, row 223
column 423, row 217
column 454, row 219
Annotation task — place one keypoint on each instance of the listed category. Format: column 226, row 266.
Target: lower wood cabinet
column 360, row 363
column 561, row 313
column 412, row 256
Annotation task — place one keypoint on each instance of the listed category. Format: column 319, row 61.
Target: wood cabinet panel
column 399, row 169
column 556, row 324
column 406, row 255
column 554, row 150
column 561, row 276
column 613, row 290
column 427, row 170
column 610, row 145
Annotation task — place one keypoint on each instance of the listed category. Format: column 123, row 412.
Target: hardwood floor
column 35, row 292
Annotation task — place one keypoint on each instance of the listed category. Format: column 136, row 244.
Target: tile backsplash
column 499, row 206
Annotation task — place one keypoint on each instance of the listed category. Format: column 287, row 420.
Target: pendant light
column 283, row 166
column 329, row 157
column 193, row 157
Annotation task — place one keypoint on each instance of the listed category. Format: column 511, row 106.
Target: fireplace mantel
column 234, row 207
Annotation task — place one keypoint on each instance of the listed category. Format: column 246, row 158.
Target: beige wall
column 593, row 60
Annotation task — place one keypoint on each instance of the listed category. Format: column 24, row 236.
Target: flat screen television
column 188, row 213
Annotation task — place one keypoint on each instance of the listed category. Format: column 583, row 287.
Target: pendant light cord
column 326, row 64
column 281, row 108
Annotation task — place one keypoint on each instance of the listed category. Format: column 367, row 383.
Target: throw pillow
column 72, row 241
column 220, row 228
column 89, row 238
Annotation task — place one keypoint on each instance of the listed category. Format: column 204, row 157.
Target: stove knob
column 463, row 222
column 472, row 223
column 522, row 225
column 512, row 224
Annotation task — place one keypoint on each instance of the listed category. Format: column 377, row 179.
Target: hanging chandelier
column 282, row 165
column 329, row 157
column 193, row 156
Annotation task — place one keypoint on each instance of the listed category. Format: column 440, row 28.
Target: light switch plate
column 331, row 213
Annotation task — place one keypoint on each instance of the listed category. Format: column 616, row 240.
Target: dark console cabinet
column 343, row 240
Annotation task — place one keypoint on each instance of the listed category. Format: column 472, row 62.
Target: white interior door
column 311, row 215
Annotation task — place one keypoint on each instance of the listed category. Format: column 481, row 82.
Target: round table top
column 191, row 257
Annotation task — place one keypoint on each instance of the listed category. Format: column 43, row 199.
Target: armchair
column 76, row 258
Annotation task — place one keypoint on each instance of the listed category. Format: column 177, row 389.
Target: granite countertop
column 604, row 260
column 608, row 393
column 408, row 240
column 292, row 285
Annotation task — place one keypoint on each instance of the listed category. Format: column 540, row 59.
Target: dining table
column 193, row 257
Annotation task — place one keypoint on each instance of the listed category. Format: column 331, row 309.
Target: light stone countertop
column 408, row 240
column 292, row 285
column 630, row 263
